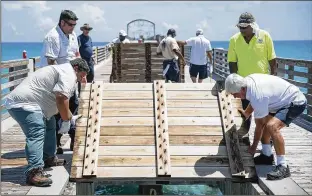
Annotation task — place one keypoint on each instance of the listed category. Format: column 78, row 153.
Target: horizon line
column 178, row 39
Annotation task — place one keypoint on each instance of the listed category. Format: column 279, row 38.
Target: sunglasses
column 70, row 24
column 87, row 29
column 242, row 28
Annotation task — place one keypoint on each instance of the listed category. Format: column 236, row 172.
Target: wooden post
column 148, row 64
column 154, row 189
column 118, row 62
column 31, row 65
column 225, row 187
column 85, row 188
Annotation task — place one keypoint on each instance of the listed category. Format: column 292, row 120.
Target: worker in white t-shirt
column 200, row 49
column 33, row 104
column 275, row 103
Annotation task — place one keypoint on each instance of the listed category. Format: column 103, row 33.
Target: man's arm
column 209, row 54
column 271, row 55
column 62, row 103
column 260, row 123
column 158, row 50
column 178, row 53
column 232, row 57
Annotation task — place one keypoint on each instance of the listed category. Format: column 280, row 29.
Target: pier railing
column 13, row 72
column 297, row 72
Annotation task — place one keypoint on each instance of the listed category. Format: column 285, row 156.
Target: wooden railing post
column 96, row 55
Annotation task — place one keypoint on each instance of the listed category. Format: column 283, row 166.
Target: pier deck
column 298, row 148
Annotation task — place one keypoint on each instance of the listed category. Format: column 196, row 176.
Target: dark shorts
column 200, row 70
column 173, row 73
column 287, row 115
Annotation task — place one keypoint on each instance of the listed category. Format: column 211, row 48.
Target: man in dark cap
column 252, row 51
column 86, row 49
column 33, row 105
column 169, row 49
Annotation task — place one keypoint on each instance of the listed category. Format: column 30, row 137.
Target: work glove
column 65, row 126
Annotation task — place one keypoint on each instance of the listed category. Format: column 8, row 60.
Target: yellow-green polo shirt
column 253, row 57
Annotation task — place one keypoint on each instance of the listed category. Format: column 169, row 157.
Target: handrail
column 15, row 71
column 295, row 71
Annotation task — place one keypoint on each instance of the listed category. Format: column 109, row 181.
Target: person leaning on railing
column 34, row 103
column 251, row 51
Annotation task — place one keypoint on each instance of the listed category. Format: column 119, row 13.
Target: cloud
column 90, row 13
column 169, row 26
column 14, row 29
column 202, row 25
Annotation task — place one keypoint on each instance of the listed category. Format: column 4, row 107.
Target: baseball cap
column 245, row 19
column 122, row 33
column 199, row 31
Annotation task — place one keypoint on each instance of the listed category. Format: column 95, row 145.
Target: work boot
column 264, row 160
column 54, row 161
column 37, row 177
column 278, row 173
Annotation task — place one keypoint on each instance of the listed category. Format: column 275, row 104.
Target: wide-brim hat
column 86, row 26
column 245, row 19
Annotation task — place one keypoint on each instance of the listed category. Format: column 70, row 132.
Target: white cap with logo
column 122, row 33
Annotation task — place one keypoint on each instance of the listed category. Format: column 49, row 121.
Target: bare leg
column 200, row 80
column 273, row 127
column 193, row 79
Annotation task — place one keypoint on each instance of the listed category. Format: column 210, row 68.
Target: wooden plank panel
column 172, row 112
column 148, row 95
column 231, row 136
column 161, row 129
column 149, row 130
column 195, row 150
column 83, row 131
column 143, row 121
column 124, row 103
column 93, row 130
column 148, row 86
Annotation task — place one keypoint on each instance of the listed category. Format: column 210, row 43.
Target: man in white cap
column 201, row 48
column 275, row 106
column 122, row 38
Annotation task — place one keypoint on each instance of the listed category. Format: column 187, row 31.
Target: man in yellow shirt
column 252, row 51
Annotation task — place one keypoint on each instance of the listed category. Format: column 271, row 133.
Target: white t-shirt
column 167, row 52
column 125, row 41
column 268, row 93
column 200, row 45
column 57, row 46
column 38, row 89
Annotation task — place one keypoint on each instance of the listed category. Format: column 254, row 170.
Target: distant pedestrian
column 86, row 49
column 170, row 50
column 122, row 38
column 200, row 49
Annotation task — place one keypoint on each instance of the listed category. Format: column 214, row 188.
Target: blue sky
column 30, row 21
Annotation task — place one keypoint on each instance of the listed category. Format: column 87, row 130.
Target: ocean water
column 285, row 49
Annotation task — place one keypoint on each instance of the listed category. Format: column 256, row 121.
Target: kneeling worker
column 276, row 103
column 33, row 105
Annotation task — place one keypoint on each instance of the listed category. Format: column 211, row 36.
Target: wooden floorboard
column 298, row 146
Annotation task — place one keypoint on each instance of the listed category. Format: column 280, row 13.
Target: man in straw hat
column 86, row 49
column 251, row 51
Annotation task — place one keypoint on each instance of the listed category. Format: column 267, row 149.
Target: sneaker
column 279, row 172
column 264, row 160
column 54, row 161
column 37, row 177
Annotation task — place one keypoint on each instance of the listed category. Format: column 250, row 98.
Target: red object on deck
column 24, row 54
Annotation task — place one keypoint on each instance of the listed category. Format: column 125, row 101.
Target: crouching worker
column 276, row 103
column 33, row 105
column 169, row 49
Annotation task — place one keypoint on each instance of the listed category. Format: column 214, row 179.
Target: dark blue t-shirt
column 85, row 46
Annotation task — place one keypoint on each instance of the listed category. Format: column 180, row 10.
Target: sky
column 29, row 21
